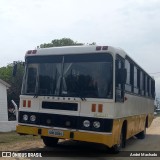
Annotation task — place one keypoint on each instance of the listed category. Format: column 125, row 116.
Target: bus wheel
column 142, row 134
column 49, row 141
column 117, row 147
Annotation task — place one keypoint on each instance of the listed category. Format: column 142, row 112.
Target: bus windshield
column 88, row 76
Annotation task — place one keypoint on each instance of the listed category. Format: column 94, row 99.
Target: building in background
column 5, row 125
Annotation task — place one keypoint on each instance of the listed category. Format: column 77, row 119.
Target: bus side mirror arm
column 16, row 109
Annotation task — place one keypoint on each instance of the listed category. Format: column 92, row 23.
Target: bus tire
column 50, row 141
column 142, row 134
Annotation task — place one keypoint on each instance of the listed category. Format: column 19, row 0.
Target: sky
column 133, row 25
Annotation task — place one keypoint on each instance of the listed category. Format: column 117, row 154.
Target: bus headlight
column 33, row 118
column 86, row 123
column 25, row 117
column 96, row 124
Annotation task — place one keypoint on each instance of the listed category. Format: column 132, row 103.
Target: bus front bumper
column 105, row 138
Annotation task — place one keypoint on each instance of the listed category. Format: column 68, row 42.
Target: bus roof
column 83, row 49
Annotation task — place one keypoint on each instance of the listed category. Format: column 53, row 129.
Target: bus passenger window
column 153, row 88
column 141, row 83
column 120, row 79
column 146, row 85
column 135, row 80
column 135, row 77
column 149, row 87
column 128, row 80
column 138, row 80
column 132, row 76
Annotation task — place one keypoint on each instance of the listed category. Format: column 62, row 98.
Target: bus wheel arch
column 142, row 134
column 122, row 142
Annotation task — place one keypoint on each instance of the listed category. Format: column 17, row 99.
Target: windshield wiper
column 83, row 98
column 35, row 96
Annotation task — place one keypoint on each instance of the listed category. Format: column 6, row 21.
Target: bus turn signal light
column 24, row 103
column 100, row 107
column 93, row 107
column 29, row 104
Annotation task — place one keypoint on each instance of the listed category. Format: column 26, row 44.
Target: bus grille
column 60, row 106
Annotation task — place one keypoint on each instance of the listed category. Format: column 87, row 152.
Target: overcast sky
column 133, row 25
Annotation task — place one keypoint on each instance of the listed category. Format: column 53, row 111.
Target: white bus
column 85, row 93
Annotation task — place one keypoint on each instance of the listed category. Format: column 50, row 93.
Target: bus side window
column 141, row 83
column 153, row 88
column 128, row 79
column 146, row 86
column 118, row 66
column 135, row 83
column 138, row 80
column 149, row 87
column 120, row 79
column 132, row 77
column 144, row 83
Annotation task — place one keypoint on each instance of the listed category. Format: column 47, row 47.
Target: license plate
column 55, row 132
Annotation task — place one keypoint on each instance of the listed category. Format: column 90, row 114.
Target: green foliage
column 15, row 82
column 5, row 73
column 62, row 42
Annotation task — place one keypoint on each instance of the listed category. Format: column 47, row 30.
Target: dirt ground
column 150, row 143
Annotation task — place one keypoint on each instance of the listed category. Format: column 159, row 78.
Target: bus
column 88, row 93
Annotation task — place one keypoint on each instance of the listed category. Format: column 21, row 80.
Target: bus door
column 120, row 78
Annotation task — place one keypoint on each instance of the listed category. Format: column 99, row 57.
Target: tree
column 62, row 42
column 15, row 82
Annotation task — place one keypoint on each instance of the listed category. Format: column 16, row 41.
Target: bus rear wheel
column 49, row 141
column 142, row 134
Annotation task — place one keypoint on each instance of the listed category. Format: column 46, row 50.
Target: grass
column 11, row 137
